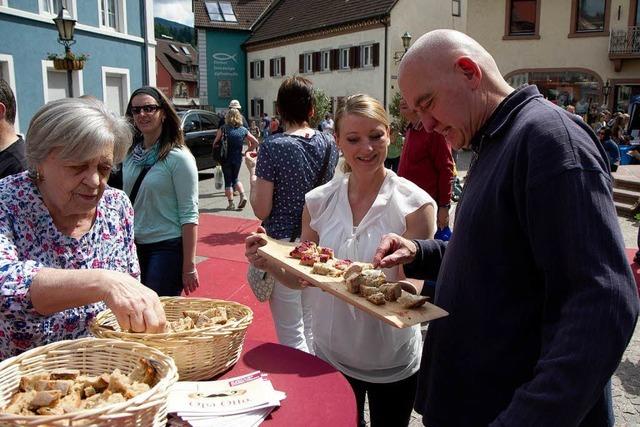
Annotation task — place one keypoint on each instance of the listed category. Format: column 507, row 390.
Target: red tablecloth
column 631, row 252
column 317, row 394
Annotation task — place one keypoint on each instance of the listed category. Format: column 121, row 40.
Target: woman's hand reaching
column 136, row 307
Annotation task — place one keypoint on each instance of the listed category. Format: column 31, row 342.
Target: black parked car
column 199, row 128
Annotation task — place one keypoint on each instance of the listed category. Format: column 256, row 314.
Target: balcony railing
column 625, row 41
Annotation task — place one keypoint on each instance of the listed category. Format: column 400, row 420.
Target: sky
column 174, row 10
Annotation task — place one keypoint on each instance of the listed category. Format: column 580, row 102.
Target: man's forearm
column 426, row 264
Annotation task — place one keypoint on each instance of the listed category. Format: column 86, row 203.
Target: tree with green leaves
column 322, row 107
column 398, row 122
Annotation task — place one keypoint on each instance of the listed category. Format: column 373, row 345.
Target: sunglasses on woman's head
column 152, row 108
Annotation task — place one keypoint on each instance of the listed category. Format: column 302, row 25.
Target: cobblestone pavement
column 626, row 381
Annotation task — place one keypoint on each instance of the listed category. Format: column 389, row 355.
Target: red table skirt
column 317, row 394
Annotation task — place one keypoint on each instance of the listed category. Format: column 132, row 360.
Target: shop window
column 522, row 18
column 624, row 96
column 579, row 88
column 589, row 18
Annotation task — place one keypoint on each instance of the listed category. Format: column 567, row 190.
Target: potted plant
column 68, row 61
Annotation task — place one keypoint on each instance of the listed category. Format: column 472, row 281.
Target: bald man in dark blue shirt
column 541, row 299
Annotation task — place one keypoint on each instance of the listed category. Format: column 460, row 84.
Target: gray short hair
column 81, row 127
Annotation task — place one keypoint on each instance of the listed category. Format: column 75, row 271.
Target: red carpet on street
column 224, row 274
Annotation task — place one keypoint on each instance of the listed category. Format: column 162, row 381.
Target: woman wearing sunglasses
column 161, row 178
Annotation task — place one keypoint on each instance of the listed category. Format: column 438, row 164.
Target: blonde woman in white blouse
column 350, row 214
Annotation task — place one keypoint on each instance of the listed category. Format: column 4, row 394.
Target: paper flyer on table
column 248, row 419
column 224, row 397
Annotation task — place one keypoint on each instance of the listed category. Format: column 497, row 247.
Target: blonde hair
column 233, row 118
column 365, row 106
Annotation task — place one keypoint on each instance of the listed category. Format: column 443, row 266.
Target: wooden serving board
column 390, row 312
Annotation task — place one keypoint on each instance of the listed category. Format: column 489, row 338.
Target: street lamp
column 66, row 25
column 606, row 90
column 406, row 41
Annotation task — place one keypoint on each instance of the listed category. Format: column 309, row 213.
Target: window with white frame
column 344, row 58
column 366, row 55
column 115, row 89
column 308, row 62
column 220, row 11
column 257, row 107
column 325, row 60
column 52, row 7
column 277, row 71
column 257, row 69
column 112, row 14
column 56, row 85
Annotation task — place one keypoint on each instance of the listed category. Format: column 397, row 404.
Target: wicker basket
column 92, row 357
column 199, row 354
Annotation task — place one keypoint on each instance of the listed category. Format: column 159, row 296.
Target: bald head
column 439, row 50
column 453, row 83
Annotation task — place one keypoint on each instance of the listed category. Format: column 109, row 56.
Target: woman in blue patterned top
column 289, row 165
column 236, row 134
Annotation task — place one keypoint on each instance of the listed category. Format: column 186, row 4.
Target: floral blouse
column 29, row 241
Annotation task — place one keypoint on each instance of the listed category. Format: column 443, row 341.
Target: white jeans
column 291, row 311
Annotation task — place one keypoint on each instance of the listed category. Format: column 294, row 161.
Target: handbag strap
column 136, row 185
column 295, row 233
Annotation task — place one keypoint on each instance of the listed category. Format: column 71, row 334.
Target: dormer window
column 221, row 11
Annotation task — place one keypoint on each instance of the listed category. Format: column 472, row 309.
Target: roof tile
column 291, row 17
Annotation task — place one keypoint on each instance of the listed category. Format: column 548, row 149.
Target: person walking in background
column 327, row 124
column 236, row 135
column 254, row 130
column 274, row 126
column 610, row 147
column 426, row 161
column 161, row 178
column 12, row 157
column 351, row 214
column 236, row 104
column 618, row 131
column 544, row 327
column 288, row 166
column 266, row 124
column 395, row 148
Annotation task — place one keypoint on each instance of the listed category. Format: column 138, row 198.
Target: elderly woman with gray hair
column 66, row 239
